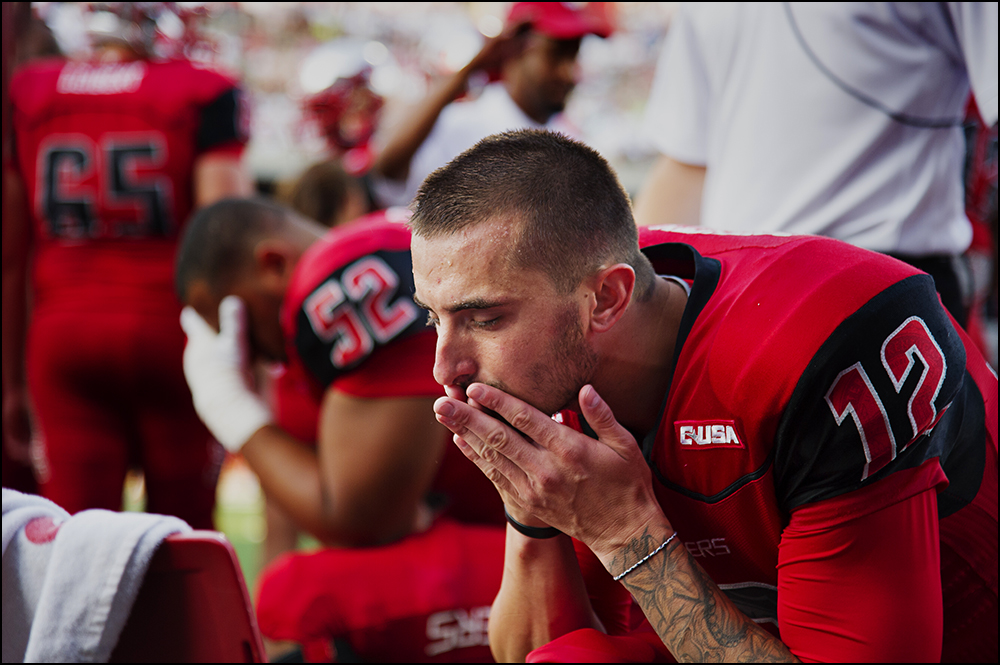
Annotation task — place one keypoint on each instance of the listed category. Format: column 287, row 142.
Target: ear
column 613, row 288
column 274, row 260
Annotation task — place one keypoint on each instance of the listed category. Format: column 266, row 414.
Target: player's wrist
column 230, row 409
column 620, row 544
column 235, row 425
column 538, row 531
column 527, row 519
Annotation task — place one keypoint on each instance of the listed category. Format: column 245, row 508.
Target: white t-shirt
column 459, row 127
column 791, row 147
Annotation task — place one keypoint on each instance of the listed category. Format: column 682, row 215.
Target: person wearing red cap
column 536, row 60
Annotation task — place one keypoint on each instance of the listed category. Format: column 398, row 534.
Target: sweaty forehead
column 475, row 263
column 492, row 241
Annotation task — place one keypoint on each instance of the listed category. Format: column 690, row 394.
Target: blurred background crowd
column 286, row 53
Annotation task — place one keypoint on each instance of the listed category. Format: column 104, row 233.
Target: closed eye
column 487, row 324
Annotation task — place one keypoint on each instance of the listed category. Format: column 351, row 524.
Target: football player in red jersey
column 25, row 37
column 325, row 193
column 335, row 306
column 112, row 154
column 792, row 450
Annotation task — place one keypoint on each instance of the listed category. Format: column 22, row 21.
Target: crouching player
column 795, row 451
column 261, row 282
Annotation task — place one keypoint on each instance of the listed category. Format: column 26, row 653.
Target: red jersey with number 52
column 107, row 152
column 350, row 324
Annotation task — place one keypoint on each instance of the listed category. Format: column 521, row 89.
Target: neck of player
column 637, row 355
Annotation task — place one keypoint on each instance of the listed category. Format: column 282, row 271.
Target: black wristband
column 540, row 532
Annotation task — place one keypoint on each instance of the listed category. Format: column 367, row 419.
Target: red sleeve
column 296, row 403
column 401, row 369
column 404, row 368
column 867, row 589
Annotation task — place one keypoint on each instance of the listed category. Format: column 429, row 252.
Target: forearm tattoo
column 692, row 616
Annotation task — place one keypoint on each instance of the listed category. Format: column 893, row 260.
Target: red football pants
column 425, row 598
column 109, row 392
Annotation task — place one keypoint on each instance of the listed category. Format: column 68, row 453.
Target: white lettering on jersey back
column 457, row 629
column 81, row 78
column 708, row 434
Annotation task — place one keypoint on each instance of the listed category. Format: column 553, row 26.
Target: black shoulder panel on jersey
column 357, row 309
column 220, row 120
column 885, row 392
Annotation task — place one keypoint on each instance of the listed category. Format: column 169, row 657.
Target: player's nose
column 454, row 364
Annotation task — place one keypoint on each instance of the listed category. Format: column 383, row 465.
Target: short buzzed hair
column 220, row 238
column 572, row 215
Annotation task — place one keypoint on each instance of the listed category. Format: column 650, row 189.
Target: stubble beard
column 568, row 366
column 555, row 380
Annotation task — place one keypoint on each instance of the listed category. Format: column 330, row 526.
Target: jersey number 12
column 852, row 393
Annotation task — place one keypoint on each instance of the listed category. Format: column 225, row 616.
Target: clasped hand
column 598, row 491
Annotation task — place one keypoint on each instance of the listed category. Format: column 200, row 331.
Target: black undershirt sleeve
column 221, row 121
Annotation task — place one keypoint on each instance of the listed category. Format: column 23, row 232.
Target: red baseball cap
column 563, row 20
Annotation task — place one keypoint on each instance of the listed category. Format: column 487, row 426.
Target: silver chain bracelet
column 647, row 557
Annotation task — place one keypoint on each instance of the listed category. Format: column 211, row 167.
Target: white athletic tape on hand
column 217, row 370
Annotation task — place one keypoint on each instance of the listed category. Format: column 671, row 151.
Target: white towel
column 69, row 582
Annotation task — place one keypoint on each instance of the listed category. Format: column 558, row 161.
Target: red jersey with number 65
column 350, row 324
column 107, row 152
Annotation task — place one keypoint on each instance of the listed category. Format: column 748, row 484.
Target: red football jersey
column 351, row 324
column 350, row 300
column 295, row 403
column 106, row 151
column 809, row 374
